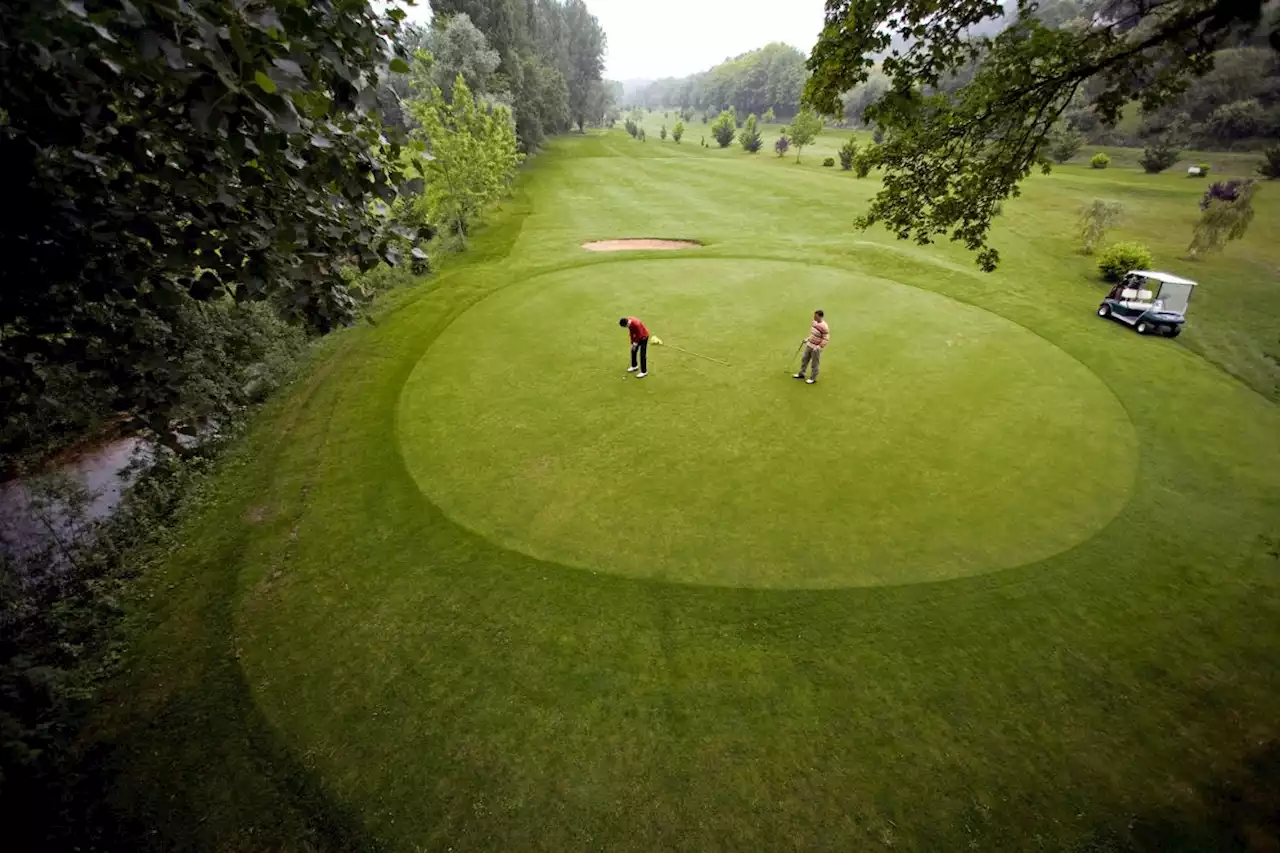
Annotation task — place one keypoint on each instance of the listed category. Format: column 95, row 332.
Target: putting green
column 942, row 440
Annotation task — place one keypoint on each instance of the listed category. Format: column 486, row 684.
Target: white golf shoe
column 641, row 375
column 632, row 369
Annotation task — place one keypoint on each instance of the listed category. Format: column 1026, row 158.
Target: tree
column 459, row 49
column 1158, row 157
column 724, row 128
column 805, row 128
column 473, row 156
column 750, row 136
column 771, row 77
column 1063, row 143
column 1226, row 211
column 662, row 134
column 164, row 152
column 848, row 152
column 677, row 132
column 1096, row 218
column 586, row 43
column 1237, row 120
column 768, row 117
column 952, row 157
column 1270, row 167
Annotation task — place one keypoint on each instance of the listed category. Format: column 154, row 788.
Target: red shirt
column 637, row 330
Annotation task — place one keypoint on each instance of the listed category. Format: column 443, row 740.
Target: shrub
column 725, row 128
column 829, row 162
column 1204, row 169
column 1156, row 158
column 848, row 152
column 677, row 132
column 1118, row 258
column 782, row 145
column 1227, row 210
column 750, row 136
column 1270, row 167
column 768, row 117
column 1100, row 161
column 1063, row 144
column 662, row 134
column 632, row 128
column 1095, row 219
column 865, row 160
column 640, row 135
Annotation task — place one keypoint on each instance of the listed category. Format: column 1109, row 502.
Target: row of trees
column 770, row 78
column 549, row 58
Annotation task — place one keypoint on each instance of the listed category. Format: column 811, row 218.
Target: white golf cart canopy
column 1162, row 277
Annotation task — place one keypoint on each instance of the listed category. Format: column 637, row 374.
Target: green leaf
column 264, row 82
column 396, row 14
column 399, row 66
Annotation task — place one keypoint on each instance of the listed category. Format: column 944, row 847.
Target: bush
column 750, row 136
column 1118, row 258
column 782, row 145
column 1226, row 211
column 725, row 128
column 1100, row 161
column 848, row 152
column 768, row 117
column 865, row 160
column 632, row 128
column 829, row 162
column 677, row 132
column 1095, row 219
column 1270, row 167
column 662, row 134
column 1156, row 158
column 1063, row 144
column 1204, row 169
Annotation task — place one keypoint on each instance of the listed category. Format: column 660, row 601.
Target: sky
column 649, row 39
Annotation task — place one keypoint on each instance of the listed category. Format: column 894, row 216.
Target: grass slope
column 333, row 663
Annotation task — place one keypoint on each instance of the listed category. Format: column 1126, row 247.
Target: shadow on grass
column 1237, row 813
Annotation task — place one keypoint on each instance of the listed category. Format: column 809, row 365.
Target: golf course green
column 1004, row 578
column 896, row 468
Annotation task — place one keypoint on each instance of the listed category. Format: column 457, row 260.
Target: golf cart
column 1149, row 301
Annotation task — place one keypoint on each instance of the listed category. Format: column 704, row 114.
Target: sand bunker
column 633, row 245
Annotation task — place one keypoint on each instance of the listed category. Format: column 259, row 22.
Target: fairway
column 933, row 446
column 1004, row 578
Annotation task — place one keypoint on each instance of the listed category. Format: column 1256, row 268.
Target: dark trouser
column 641, row 346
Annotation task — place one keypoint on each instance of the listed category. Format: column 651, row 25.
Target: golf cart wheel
column 1174, row 331
column 1143, row 327
column 1104, row 310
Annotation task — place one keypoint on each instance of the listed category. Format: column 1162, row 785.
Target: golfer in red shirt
column 639, row 344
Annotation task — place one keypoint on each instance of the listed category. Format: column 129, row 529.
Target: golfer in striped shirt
column 819, row 334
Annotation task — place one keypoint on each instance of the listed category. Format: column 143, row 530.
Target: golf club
column 791, row 361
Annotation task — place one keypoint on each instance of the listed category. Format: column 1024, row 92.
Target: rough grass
column 351, row 669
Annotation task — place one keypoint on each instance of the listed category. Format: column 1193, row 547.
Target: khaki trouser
column 811, row 353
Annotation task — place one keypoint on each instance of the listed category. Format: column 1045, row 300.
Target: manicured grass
column 334, row 661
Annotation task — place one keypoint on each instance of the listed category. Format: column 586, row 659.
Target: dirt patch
column 638, row 244
column 257, row 514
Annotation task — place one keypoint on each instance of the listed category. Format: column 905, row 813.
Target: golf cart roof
column 1162, row 276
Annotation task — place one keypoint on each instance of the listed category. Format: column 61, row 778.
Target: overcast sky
column 671, row 38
